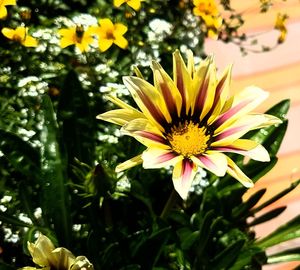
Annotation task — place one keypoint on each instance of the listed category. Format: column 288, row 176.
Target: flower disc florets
column 188, row 139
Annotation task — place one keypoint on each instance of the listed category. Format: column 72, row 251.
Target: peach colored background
column 278, row 72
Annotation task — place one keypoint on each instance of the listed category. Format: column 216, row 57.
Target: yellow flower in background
column 3, row 4
column 135, row 4
column 20, row 35
column 205, row 8
column 110, row 33
column 213, row 26
column 45, row 255
column 190, row 121
column 76, row 36
column 280, row 24
column 208, row 11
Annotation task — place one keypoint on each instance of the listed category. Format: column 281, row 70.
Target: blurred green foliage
column 57, row 162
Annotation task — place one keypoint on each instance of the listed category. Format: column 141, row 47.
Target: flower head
column 190, row 121
column 280, row 24
column 135, row 4
column 20, row 35
column 110, row 33
column 45, row 255
column 3, row 4
column 76, row 36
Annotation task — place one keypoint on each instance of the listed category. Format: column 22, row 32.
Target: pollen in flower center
column 188, row 139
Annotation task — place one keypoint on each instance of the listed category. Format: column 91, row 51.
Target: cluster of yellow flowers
column 106, row 32
column 208, row 11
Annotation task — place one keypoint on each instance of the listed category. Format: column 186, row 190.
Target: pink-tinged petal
column 158, row 158
column 120, row 116
column 129, row 163
column 183, row 175
column 212, row 161
column 243, row 103
column 221, row 95
column 149, row 100
column 143, row 131
column 247, row 148
column 238, row 129
column 237, row 173
column 164, row 84
column 183, row 81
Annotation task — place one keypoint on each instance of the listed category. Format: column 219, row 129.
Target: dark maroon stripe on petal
column 200, row 99
column 228, row 132
column 187, row 168
column 155, row 112
column 165, row 157
column 231, row 112
column 169, row 99
column 206, row 161
column 180, row 84
column 151, row 136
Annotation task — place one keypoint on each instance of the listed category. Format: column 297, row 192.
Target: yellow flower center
column 17, row 38
column 110, row 34
column 188, row 139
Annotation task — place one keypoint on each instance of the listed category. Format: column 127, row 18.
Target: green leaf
column 276, row 197
column 227, row 257
column 4, row 266
column 55, row 199
column 76, row 120
column 24, row 157
column 8, row 219
column 288, row 231
column 271, row 137
column 288, row 255
column 243, row 209
column 267, row 216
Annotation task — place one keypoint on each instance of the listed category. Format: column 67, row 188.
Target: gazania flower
column 190, row 121
column 20, row 35
column 280, row 24
column 3, row 4
column 76, row 36
column 110, row 33
column 135, row 4
column 45, row 255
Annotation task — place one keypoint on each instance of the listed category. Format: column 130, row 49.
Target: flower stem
column 169, row 204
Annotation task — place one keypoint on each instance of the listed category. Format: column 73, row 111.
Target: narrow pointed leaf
column 276, row 197
column 55, row 200
column 267, row 216
column 288, row 231
column 288, row 255
column 243, row 209
column 227, row 257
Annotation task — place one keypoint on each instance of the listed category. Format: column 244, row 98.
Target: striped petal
column 237, row 173
column 183, row 175
column 212, row 161
column 120, row 116
column 222, row 92
column 236, row 131
column 120, row 103
column 149, row 100
column 243, row 103
column 183, row 81
column 129, row 163
column 168, row 90
column 158, row 158
column 247, row 148
column 143, row 131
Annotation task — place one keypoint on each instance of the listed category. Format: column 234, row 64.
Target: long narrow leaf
column 55, row 200
column 267, row 216
column 288, row 231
